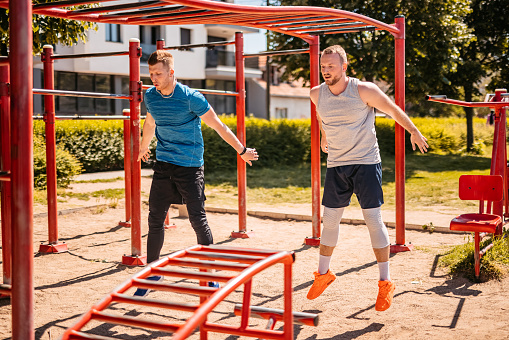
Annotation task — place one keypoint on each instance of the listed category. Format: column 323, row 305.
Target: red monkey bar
column 232, row 266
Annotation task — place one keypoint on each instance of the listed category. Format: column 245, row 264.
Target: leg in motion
column 328, row 241
column 381, row 247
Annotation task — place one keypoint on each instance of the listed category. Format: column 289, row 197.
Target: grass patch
column 110, row 194
column 494, row 264
column 431, row 180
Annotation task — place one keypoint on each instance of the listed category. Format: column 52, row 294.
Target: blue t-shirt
column 178, row 125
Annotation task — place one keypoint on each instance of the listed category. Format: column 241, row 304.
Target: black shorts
column 177, row 184
column 363, row 180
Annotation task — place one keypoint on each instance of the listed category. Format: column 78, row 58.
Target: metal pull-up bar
column 271, row 53
column 208, row 45
column 205, row 91
column 89, row 55
column 48, row 92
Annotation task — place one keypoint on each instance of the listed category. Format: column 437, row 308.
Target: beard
column 333, row 81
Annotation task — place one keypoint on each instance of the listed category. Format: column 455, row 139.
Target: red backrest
column 481, row 187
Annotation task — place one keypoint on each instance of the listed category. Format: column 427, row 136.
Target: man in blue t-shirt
column 174, row 116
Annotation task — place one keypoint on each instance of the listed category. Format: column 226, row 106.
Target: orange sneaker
column 385, row 293
column 321, row 282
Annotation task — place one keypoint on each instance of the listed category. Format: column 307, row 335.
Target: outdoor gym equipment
column 487, row 189
column 16, row 172
column 232, row 267
column 498, row 102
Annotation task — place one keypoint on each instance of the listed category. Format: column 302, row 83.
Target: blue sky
column 254, row 42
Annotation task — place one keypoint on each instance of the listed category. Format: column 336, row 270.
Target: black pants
column 173, row 184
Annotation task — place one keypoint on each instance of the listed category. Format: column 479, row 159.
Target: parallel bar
column 80, row 94
column 79, row 117
column 185, row 307
column 89, row 55
column 65, row 3
column 205, row 91
column 180, row 47
column 224, row 257
column 135, row 322
column 209, row 264
column 75, row 335
column 176, row 288
column 271, row 53
column 107, row 9
column 204, row 276
column 4, row 60
column 5, row 289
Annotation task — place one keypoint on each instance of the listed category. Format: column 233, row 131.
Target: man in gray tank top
column 345, row 112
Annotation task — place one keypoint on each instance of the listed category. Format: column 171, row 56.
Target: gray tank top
column 349, row 125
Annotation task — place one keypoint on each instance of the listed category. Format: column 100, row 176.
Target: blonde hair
column 161, row 56
column 339, row 50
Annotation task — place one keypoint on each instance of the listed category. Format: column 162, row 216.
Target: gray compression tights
column 373, row 218
column 330, row 231
column 377, row 230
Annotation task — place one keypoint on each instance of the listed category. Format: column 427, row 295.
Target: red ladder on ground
column 233, row 267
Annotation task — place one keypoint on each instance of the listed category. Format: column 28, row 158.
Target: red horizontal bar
column 493, row 105
column 248, row 332
column 75, row 335
column 5, row 176
column 191, row 275
column 224, row 257
column 209, row 264
column 176, row 288
column 133, row 321
column 122, row 298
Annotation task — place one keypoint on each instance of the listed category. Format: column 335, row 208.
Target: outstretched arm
column 373, row 96
column 210, row 118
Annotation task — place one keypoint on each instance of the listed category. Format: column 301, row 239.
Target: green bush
column 67, row 165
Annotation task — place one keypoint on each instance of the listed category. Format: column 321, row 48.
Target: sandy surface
column 428, row 304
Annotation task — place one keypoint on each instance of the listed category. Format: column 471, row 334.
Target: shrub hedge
column 67, row 165
column 98, row 145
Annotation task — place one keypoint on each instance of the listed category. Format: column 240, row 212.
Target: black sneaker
column 141, row 292
column 213, row 284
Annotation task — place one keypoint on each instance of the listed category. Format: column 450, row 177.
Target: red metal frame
column 240, row 83
column 399, row 86
column 53, row 246
column 127, row 170
column 244, row 262
column 5, row 167
column 22, row 173
column 275, row 18
column 135, row 90
column 314, row 62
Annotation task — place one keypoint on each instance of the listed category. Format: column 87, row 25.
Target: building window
column 221, row 104
column 185, row 36
column 113, row 33
column 70, row 81
column 281, row 112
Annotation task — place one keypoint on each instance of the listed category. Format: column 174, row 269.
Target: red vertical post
column 399, row 84
column 135, row 90
column 499, row 154
column 314, row 61
column 241, row 135
column 22, row 178
column 5, row 167
column 127, row 171
column 53, row 245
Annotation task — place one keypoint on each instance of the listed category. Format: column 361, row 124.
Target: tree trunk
column 469, row 112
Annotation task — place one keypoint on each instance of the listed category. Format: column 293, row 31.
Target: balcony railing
column 215, row 58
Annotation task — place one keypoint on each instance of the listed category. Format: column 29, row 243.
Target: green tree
column 485, row 56
column 434, row 29
column 47, row 30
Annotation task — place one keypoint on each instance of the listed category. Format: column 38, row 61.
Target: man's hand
column 144, row 155
column 250, row 155
column 418, row 139
column 324, row 145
